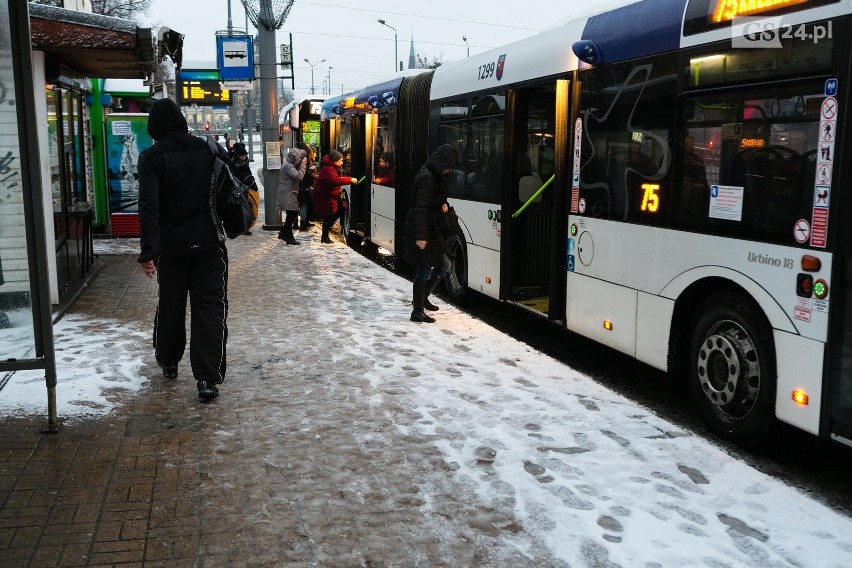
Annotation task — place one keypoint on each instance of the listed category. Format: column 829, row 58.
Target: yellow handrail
column 534, row 195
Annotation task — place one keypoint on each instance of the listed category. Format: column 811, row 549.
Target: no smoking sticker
column 802, row 231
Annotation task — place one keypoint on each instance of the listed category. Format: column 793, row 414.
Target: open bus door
column 840, row 374
column 355, row 220
column 534, row 217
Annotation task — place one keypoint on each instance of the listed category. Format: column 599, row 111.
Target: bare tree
column 126, row 9
column 424, row 63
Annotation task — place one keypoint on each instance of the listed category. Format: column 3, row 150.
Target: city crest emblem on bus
column 500, row 62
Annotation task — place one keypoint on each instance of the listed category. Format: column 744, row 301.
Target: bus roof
column 613, row 31
column 375, row 95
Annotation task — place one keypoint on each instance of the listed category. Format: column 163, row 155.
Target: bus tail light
column 800, row 397
column 811, row 263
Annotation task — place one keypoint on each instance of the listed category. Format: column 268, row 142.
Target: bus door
column 531, row 220
column 841, row 333
column 358, row 213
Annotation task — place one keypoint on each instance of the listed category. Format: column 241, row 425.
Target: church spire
column 412, row 60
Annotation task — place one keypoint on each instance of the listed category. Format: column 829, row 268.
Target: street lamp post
column 308, row 61
column 329, row 78
column 395, row 56
column 464, row 39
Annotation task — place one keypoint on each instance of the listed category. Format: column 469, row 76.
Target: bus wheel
column 455, row 281
column 732, row 374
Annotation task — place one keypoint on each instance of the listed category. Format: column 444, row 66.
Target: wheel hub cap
column 728, row 371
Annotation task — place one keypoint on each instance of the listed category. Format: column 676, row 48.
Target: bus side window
column 694, row 196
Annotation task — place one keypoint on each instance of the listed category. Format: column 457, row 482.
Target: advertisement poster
column 126, row 137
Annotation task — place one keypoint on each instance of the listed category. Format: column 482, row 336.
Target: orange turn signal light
column 800, row 397
column 811, row 263
column 607, row 325
column 488, row 280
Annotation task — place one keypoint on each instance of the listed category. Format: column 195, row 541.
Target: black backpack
column 230, row 207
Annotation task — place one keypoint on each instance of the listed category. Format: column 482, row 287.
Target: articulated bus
column 657, row 177
column 387, row 120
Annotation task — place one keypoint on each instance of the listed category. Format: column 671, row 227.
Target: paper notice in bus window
column 726, row 202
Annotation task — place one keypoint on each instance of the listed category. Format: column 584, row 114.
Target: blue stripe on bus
column 637, row 30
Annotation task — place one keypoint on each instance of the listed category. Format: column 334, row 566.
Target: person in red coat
column 327, row 191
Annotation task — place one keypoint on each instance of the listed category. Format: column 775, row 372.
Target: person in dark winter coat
column 287, row 199
column 181, row 245
column 327, row 191
column 306, row 192
column 422, row 236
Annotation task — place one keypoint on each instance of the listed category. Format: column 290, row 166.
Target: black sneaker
column 207, row 390
column 326, row 240
column 292, row 242
column 169, row 371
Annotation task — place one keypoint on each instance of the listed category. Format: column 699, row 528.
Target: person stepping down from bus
column 423, row 239
column 327, row 201
column 287, row 197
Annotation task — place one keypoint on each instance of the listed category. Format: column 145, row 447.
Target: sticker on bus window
column 726, row 202
column 802, row 231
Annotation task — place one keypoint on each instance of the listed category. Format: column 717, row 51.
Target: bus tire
column 455, row 281
column 732, row 374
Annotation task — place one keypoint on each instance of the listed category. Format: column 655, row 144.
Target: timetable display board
column 201, row 87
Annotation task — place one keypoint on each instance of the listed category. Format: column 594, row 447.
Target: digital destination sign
column 201, row 87
column 727, row 10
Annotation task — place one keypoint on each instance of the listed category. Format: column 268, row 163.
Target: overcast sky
column 359, row 49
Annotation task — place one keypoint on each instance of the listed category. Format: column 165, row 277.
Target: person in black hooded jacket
column 180, row 244
column 422, row 235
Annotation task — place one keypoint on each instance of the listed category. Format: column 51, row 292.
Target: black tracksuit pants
column 204, row 276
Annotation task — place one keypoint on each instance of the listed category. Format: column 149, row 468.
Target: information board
column 201, row 87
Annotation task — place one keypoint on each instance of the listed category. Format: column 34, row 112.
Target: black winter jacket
column 174, row 188
column 424, row 219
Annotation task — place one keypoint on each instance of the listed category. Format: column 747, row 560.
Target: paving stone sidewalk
column 273, row 473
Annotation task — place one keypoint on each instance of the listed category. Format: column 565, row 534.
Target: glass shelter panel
column 16, row 315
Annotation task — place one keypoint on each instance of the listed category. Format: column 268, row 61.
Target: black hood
column 165, row 117
column 444, row 157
